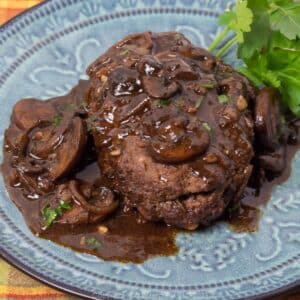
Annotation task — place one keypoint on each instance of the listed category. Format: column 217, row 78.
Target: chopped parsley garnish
column 223, row 99
column 162, row 102
column 199, row 102
column 90, row 121
column 51, row 214
column 124, row 52
column 177, row 37
column 56, row 120
column 93, row 243
column 207, row 127
column 63, row 206
column 209, row 85
column 233, row 210
column 84, row 106
column 71, row 106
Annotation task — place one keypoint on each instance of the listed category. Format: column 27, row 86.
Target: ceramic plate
column 43, row 53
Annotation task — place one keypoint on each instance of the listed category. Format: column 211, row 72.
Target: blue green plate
column 43, row 53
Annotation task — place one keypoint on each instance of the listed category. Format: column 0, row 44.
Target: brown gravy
column 125, row 237
column 256, row 196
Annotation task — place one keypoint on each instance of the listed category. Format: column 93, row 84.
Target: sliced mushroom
column 157, row 87
column 293, row 131
column 169, row 41
column 102, row 203
column 177, row 142
column 28, row 112
column 70, row 149
column 139, row 43
column 89, row 204
column 206, row 60
column 55, row 148
column 124, row 82
column 275, row 161
column 77, row 215
column 232, row 88
column 149, row 65
column 268, row 117
column 16, row 140
column 102, row 62
column 179, row 69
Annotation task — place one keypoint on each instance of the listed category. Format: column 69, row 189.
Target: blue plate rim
column 86, row 295
column 69, row 288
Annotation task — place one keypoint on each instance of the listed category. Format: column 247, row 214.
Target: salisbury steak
column 172, row 128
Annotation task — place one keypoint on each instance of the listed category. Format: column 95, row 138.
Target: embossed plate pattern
column 43, row 53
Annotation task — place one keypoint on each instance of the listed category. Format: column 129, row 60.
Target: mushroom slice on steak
column 89, row 204
column 268, row 118
column 157, row 87
column 47, row 145
column 29, row 112
column 274, row 162
column 59, row 145
column 178, row 141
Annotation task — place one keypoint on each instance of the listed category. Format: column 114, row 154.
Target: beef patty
column 172, row 128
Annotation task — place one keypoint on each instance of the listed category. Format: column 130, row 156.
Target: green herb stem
column 218, row 39
column 226, row 47
column 207, row 127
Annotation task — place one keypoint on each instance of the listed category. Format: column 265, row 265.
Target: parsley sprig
column 162, row 102
column 267, row 35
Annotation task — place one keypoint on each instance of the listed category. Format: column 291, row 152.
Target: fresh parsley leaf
column 65, row 205
column 162, row 102
column 258, row 38
column 57, row 120
column 238, row 21
column 282, row 51
column 260, row 67
column 223, row 99
column 199, row 102
column 50, row 214
column 124, row 52
column 291, row 92
column 177, row 37
column 209, row 85
column 89, row 122
column 93, row 243
column 248, row 73
column 71, row 106
column 228, row 18
column 243, row 20
column 271, row 49
column 286, row 19
column 207, row 127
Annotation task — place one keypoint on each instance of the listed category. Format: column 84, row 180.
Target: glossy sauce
column 256, row 195
column 125, row 236
column 127, row 239
column 182, row 116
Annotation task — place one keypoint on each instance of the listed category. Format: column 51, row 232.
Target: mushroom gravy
column 125, row 236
